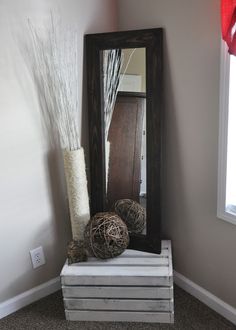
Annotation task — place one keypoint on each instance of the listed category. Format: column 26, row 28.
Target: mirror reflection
column 124, row 91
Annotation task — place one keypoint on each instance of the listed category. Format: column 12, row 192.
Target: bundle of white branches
column 55, row 70
column 55, row 65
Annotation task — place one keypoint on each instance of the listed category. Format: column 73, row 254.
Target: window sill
column 226, row 216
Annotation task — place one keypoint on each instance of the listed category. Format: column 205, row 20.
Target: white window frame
column 223, row 134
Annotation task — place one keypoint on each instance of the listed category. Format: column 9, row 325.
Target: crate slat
column 127, row 270
column 118, row 280
column 117, row 292
column 125, row 261
column 118, row 316
column 119, row 304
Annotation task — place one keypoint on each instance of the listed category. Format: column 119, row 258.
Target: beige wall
column 33, row 207
column 204, row 247
column 134, row 63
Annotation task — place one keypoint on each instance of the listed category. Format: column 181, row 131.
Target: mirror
column 124, row 98
column 125, row 116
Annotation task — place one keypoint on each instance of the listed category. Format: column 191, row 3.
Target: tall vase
column 77, row 190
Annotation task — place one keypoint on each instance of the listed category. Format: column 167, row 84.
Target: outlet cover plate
column 37, row 257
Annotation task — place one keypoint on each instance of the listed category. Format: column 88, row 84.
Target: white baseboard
column 12, row 305
column 206, row 297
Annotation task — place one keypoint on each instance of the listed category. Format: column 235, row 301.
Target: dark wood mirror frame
column 151, row 40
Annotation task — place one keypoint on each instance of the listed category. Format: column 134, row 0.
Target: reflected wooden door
column 125, row 137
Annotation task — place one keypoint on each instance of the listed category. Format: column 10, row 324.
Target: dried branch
column 55, row 66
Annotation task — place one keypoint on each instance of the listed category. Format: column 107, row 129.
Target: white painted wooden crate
column 134, row 287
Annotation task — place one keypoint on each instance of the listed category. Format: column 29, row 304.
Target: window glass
column 231, row 142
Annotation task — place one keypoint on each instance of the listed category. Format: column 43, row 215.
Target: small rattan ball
column 106, row 235
column 76, row 251
column 132, row 213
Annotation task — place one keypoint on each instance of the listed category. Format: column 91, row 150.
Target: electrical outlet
column 37, row 257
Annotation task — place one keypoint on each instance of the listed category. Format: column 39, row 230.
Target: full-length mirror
column 125, row 116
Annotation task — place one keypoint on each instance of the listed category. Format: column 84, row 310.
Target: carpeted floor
column 48, row 314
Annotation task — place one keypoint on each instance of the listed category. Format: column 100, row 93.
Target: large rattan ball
column 106, row 235
column 132, row 213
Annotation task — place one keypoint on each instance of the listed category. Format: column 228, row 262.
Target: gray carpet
column 48, row 314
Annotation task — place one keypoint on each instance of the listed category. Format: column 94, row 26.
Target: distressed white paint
column 119, row 304
column 138, row 292
column 140, row 261
column 133, row 270
column 106, row 271
column 134, row 281
column 115, row 316
column 126, row 278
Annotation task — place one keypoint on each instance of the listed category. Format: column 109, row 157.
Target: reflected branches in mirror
column 112, row 62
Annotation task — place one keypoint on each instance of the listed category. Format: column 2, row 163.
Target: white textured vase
column 77, row 190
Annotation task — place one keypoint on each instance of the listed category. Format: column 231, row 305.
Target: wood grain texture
column 126, row 261
column 135, row 268
column 119, row 304
column 134, row 292
column 151, row 40
column 116, row 316
column 135, row 287
column 117, row 280
column 125, row 137
column 127, row 270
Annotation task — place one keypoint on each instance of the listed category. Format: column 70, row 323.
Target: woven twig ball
column 132, row 213
column 76, row 251
column 106, row 235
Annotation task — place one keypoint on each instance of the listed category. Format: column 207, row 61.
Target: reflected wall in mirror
column 125, row 116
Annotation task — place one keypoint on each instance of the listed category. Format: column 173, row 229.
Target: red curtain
column 228, row 24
